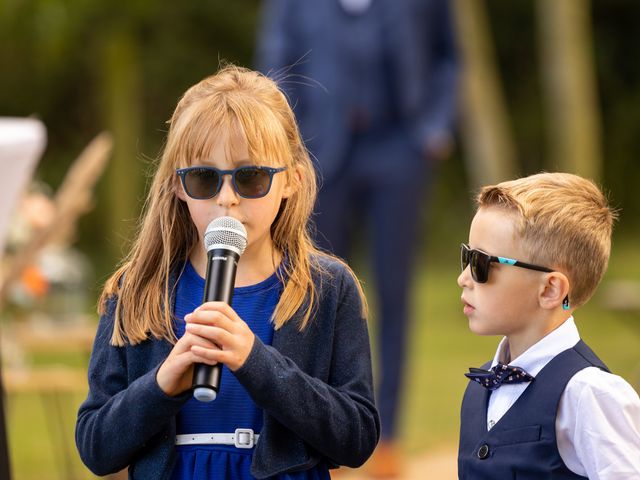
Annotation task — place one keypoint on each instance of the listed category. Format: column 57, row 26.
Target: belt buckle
column 244, row 438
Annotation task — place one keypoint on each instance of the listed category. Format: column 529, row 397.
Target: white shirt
column 598, row 420
column 356, row 7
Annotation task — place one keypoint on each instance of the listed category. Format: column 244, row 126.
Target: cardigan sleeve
column 119, row 416
column 336, row 417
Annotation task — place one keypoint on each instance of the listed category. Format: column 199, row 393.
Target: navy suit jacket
column 313, row 48
column 315, row 387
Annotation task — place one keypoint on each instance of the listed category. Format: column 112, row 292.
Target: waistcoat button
column 483, row 452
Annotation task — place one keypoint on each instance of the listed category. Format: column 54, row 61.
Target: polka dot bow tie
column 501, row 373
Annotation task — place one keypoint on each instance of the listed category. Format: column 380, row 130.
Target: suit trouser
column 381, row 188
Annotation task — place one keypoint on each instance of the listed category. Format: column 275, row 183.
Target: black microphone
column 225, row 240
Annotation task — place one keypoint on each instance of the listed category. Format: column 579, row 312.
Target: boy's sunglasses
column 480, row 262
column 202, row 183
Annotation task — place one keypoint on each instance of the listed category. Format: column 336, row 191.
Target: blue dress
column 233, row 408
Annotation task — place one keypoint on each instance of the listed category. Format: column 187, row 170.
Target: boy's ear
column 293, row 182
column 554, row 290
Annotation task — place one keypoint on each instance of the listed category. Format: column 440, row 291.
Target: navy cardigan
column 314, row 386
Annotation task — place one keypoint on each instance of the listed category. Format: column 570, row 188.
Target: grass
column 41, row 437
column 441, row 350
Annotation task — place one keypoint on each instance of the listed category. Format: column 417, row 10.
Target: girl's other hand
column 175, row 375
column 226, row 337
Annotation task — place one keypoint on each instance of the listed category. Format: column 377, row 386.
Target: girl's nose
column 227, row 195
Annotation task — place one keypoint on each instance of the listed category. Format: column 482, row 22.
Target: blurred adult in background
column 373, row 83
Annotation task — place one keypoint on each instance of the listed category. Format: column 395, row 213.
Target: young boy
column 548, row 408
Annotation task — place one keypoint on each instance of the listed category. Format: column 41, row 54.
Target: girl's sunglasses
column 480, row 262
column 202, row 183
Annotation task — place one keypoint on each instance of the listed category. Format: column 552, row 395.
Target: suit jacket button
column 483, row 452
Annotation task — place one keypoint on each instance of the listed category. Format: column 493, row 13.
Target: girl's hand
column 175, row 375
column 226, row 338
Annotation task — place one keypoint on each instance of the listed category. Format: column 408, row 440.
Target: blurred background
column 546, row 85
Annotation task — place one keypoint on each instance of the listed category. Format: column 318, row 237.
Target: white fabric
column 598, row 422
column 22, row 141
column 356, row 7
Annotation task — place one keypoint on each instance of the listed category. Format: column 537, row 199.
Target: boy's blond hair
column 564, row 222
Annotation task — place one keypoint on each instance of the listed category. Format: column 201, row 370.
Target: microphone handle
column 218, row 287
column 221, row 275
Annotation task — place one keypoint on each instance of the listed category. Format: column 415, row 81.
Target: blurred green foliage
column 614, row 25
column 84, row 66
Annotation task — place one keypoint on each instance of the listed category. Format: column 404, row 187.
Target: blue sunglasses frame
column 183, row 172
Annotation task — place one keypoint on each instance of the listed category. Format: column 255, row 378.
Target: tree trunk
column 487, row 137
column 570, row 86
column 124, row 176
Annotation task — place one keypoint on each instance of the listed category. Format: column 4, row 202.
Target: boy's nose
column 227, row 194
column 464, row 279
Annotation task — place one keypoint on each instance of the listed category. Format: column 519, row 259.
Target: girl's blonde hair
column 233, row 101
column 564, row 222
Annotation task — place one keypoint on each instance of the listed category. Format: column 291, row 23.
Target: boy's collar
column 538, row 355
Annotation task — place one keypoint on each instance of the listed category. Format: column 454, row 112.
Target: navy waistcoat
column 522, row 445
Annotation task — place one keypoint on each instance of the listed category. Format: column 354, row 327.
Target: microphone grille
column 227, row 233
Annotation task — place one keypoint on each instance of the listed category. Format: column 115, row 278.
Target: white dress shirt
column 356, row 7
column 598, row 420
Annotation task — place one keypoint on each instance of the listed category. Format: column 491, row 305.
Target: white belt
column 241, row 438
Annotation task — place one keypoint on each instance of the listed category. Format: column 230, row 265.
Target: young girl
column 294, row 343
